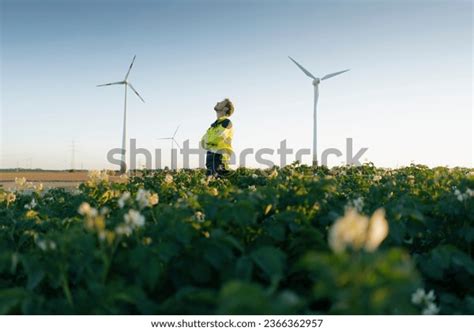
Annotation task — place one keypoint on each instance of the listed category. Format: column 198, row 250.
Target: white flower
column 10, row 197
column 39, row 188
column 123, row 229
column 252, row 188
column 199, row 216
column 104, row 211
column 168, row 179
column 378, row 230
column 463, row 196
column 86, row 210
column 357, row 231
column 430, row 309
column 97, row 176
column 123, row 199
column 426, row 301
column 358, row 204
column 146, row 199
column 42, row 245
column 20, row 182
column 349, row 230
column 142, row 198
column 430, row 296
column 254, row 176
column 273, row 174
column 418, row 297
column 134, row 218
column 46, row 245
column 153, row 199
column 377, row 178
column 31, row 205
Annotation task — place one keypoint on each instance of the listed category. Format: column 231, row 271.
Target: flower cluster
column 199, row 216
column 21, row 184
column 464, row 196
column 31, row 205
column 168, row 179
column 133, row 220
column 97, row 177
column 9, row 197
column 426, row 301
column 95, row 221
column 357, row 231
column 377, row 178
column 273, row 174
column 123, row 199
column 46, row 245
column 146, row 198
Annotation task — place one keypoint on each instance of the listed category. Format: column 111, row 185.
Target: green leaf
column 244, row 268
column 10, row 299
column 239, row 298
column 271, row 261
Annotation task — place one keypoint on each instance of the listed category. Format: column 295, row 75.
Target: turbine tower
column 174, row 165
column 316, row 82
column 126, row 83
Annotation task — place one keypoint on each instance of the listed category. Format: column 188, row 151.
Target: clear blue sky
column 408, row 96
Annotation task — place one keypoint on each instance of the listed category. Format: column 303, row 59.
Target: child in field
column 218, row 139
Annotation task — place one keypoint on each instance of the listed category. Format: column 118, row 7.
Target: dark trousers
column 214, row 165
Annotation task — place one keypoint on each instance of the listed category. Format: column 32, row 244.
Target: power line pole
column 73, row 155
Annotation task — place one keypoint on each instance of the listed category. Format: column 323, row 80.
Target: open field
column 295, row 240
column 50, row 179
column 44, row 176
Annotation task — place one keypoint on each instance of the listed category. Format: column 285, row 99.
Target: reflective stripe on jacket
column 218, row 138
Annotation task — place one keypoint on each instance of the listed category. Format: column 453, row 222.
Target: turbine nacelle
column 316, row 81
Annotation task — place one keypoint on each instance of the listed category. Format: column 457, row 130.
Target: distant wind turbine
column 316, row 82
column 173, row 141
column 126, row 83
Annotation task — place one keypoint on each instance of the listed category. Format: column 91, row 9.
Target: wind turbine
column 126, row 83
column 316, row 82
column 173, row 141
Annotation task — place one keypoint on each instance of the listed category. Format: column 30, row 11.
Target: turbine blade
column 138, row 95
column 167, row 138
column 116, row 83
column 176, row 143
column 310, row 75
column 130, row 68
column 174, row 134
column 334, row 74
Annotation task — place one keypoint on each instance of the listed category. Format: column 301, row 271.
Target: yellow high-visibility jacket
column 218, row 138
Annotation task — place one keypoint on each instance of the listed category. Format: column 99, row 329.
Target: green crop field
column 296, row 240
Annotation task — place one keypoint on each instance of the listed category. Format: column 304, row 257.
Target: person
column 218, row 140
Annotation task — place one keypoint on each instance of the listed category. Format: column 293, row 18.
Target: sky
column 407, row 97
